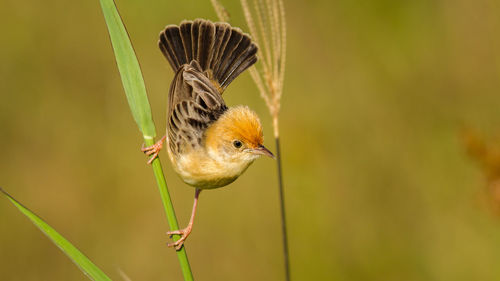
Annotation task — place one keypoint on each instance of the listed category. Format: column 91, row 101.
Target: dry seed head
column 271, row 32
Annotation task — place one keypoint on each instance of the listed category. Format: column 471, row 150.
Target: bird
column 209, row 144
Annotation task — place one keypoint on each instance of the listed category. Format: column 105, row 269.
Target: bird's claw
column 184, row 233
column 154, row 149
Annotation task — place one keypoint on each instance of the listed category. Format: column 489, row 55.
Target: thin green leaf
column 130, row 70
column 85, row 265
column 136, row 94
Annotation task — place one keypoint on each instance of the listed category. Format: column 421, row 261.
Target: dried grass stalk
column 270, row 35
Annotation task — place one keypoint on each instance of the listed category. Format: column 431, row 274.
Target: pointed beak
column 262, row 150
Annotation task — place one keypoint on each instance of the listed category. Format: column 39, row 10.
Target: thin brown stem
column 282, row 209
column 271, row 31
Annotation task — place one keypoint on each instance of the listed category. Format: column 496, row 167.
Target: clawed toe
column 153, row 150
column 177, row 244
column 174, row 232
column 184, row 233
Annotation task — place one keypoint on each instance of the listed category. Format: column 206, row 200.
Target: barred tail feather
column 223, row 52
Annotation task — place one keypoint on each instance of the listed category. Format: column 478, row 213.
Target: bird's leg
column 154, row 149
column 185, row 231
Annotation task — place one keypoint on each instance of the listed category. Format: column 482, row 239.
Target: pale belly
column 201, row 171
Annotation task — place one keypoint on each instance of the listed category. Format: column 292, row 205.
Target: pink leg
column 154, row 149
column 185, row 231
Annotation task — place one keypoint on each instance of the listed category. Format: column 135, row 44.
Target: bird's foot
column 154, row 149
column 184, row 233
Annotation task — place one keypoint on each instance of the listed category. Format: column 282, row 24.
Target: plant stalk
column 169, row 211
column 282, row 208
column 135, row 90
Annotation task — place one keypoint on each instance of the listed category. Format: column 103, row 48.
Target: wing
column 194, row 104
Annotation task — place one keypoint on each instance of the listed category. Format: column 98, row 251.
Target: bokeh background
column 379, row 184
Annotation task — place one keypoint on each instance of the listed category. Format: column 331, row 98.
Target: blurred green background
column 378, row 183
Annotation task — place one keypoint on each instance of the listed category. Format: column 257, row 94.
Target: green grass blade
column 130, row 70
column 85, row 265
column 137, row 97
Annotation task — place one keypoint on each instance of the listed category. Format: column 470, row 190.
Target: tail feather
column 185, row 31
column 205, row 37
column 235, row 58
column 223, row 52
column 172, row 47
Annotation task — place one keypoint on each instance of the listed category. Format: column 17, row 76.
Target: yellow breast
column 197, row 168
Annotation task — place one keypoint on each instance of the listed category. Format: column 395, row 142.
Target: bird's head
column 237, row 136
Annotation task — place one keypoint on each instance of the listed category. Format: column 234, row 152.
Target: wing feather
column 195, row 103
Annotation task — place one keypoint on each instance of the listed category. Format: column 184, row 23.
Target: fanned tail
column 222, row 51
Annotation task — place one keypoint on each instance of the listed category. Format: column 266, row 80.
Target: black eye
column 237, row 143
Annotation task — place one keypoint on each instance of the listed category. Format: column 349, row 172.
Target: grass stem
column 271, row 31
column 282, row 210
column 170, row 212
column 135, row 90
